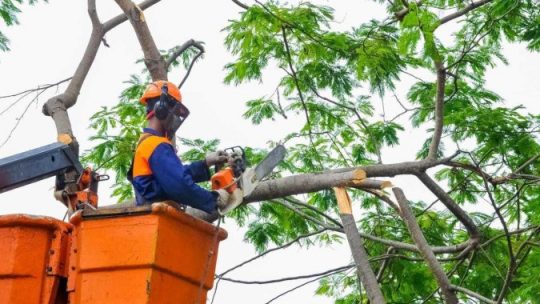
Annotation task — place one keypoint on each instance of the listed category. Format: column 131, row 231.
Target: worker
column 157, row 173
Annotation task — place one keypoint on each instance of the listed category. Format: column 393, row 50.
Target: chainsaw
column 237, row 174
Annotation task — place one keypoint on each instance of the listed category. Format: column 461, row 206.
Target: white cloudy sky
column 49, row 42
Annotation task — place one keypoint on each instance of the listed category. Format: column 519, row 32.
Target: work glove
column 226, row 201
column 216, row 158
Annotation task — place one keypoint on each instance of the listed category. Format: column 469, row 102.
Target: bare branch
column 309, row 218
column 296, row 82
column 242, row 5
column 463, row 11
column 181, row 49
column 201, row 52
column 39, row 88
column 439, row 111
column 418, row 237
column 307, row 276
column 304, row 284
column 296, row 240
column 384, row 198
column 384, row 264
column 92, row 12
column 473, row 294
column 299, row 203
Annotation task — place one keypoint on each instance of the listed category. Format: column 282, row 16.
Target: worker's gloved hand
column 216, row 158
column 228, row 201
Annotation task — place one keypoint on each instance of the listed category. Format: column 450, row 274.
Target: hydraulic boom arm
column 75, row 187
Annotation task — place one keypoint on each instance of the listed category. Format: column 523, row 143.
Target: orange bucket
column 150, row 254
column 33, row 250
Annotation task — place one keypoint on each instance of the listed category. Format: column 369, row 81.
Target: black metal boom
column 37, row 164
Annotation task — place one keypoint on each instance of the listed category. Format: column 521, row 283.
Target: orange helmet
column 153, row 90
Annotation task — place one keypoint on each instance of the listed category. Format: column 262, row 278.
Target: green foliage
column 324, row 72
column 327, row 74
column 8, row 14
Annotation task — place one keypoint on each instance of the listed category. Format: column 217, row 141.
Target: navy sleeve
column 177, row 182
column 199, row 171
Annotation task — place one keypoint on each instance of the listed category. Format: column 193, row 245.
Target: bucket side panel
column 129, row 286
column 186, row 251
column 24, row 252
column 167, row 288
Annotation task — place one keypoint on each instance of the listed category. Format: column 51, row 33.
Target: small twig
column 308, row 217
column 297, row 202
column 302, row 285
column 296, row 82
column 242, row 5
column 307, row 276
column 473, row 294
column 39, row 88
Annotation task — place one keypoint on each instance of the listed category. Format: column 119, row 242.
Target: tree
column 417, row 253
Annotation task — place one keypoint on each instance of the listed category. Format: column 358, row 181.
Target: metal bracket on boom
column 75, row 187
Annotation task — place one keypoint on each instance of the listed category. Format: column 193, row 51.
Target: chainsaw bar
column 251, row 178
column 267, row 165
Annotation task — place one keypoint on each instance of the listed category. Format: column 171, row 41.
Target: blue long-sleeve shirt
column 172, row 180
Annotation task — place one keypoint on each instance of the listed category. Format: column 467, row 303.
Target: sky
column 51, row 39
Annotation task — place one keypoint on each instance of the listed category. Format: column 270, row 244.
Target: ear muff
column 161, row 108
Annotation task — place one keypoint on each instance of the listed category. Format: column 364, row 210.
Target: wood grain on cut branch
column 360, row 256
column 418, row 237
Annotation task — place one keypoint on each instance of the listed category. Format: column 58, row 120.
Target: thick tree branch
column 418, row 237
column 461, row 214
column 152, row 58
column 122, row 17
column 360, row 256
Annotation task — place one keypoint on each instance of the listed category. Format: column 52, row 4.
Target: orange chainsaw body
column 224, row 179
